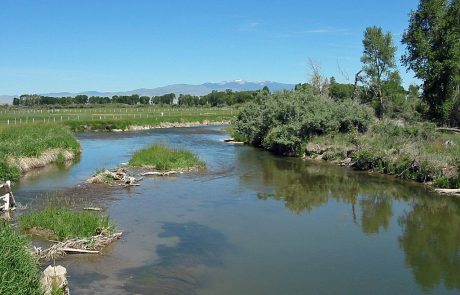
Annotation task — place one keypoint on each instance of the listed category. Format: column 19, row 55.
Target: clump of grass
column 161, row 157
column 65, row 223
column 60, row 160
column 19, row 270
column 8, row 172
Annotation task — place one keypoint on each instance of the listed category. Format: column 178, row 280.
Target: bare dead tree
column 342, row 72
column 317, row 80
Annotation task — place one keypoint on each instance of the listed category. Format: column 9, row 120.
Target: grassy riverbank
column 161, row 157
column 417, row 152
column 299, row 123
column 19, row 270
column 32, row 146
column 63, row 223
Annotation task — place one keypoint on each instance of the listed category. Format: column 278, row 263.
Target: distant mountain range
column 203, row 89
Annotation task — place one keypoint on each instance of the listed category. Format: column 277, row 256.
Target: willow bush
column 283, row 122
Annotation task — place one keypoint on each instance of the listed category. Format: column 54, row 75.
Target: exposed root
column 75, row 246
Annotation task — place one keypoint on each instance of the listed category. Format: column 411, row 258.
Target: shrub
column 283, row 121
column 414, row 152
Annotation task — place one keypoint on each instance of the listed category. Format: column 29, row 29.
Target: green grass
column 112, row 117
column 65, row 223
column 161, row 157
column 32, row 141
column 19, row 270
column 416, row 152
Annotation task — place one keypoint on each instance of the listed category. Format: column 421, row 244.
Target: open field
column 115, row 117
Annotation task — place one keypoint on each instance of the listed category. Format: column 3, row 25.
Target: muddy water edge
column 253, row 223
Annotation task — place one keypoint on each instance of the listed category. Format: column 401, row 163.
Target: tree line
column 284, row 122
column 432, row 42
column 213, row 99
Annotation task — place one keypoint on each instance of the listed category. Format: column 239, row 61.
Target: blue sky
column 48, row 46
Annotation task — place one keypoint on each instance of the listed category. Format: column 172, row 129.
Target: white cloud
column 324, row 31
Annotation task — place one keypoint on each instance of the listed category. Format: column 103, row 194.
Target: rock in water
column 55, row 277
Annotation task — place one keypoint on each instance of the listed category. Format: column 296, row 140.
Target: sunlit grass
column 161, row 157
column 32, row 141
column 19, row 270
column 64, row 223
column 416, row 152
column 113, row 116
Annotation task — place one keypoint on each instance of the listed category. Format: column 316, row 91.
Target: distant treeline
column 213, row 99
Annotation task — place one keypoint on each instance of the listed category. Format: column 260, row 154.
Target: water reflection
column 431, row 241
column 340, row 229
column 430, row 225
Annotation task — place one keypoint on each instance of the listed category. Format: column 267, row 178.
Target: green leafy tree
column 433, row 53
column 338, row 91
column 379, row 62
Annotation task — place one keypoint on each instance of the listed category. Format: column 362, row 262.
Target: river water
column 253, row 223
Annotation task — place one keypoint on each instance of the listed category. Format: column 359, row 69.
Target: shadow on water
column 429, row 224
column 198, row 245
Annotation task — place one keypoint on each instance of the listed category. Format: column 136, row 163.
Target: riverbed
column 254, row 223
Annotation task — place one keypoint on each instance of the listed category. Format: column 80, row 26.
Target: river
column 253, row 223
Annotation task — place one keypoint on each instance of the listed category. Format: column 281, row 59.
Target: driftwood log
column 92, row 245
column 159, row 173
column 93, row 209
column 456, row 130
column 454, row 192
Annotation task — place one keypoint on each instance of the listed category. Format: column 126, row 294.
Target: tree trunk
column 355, row 88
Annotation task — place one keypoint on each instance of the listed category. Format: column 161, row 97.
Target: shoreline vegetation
column 146, row 124
column 163, row 158
column 76, row 232
column 302, row 124
column 33, row 146
column 27, row 147
column 375, row 123
column 19, row 269
column 60, row 223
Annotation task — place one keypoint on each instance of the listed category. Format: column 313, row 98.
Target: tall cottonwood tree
column 379, row 62
column 433, row 53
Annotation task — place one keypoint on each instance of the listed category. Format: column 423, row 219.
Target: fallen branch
column 448, row 191
column 448, row 129
column 83, row 251
column 92, row 245
column 93, row 209
column 159, row 173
